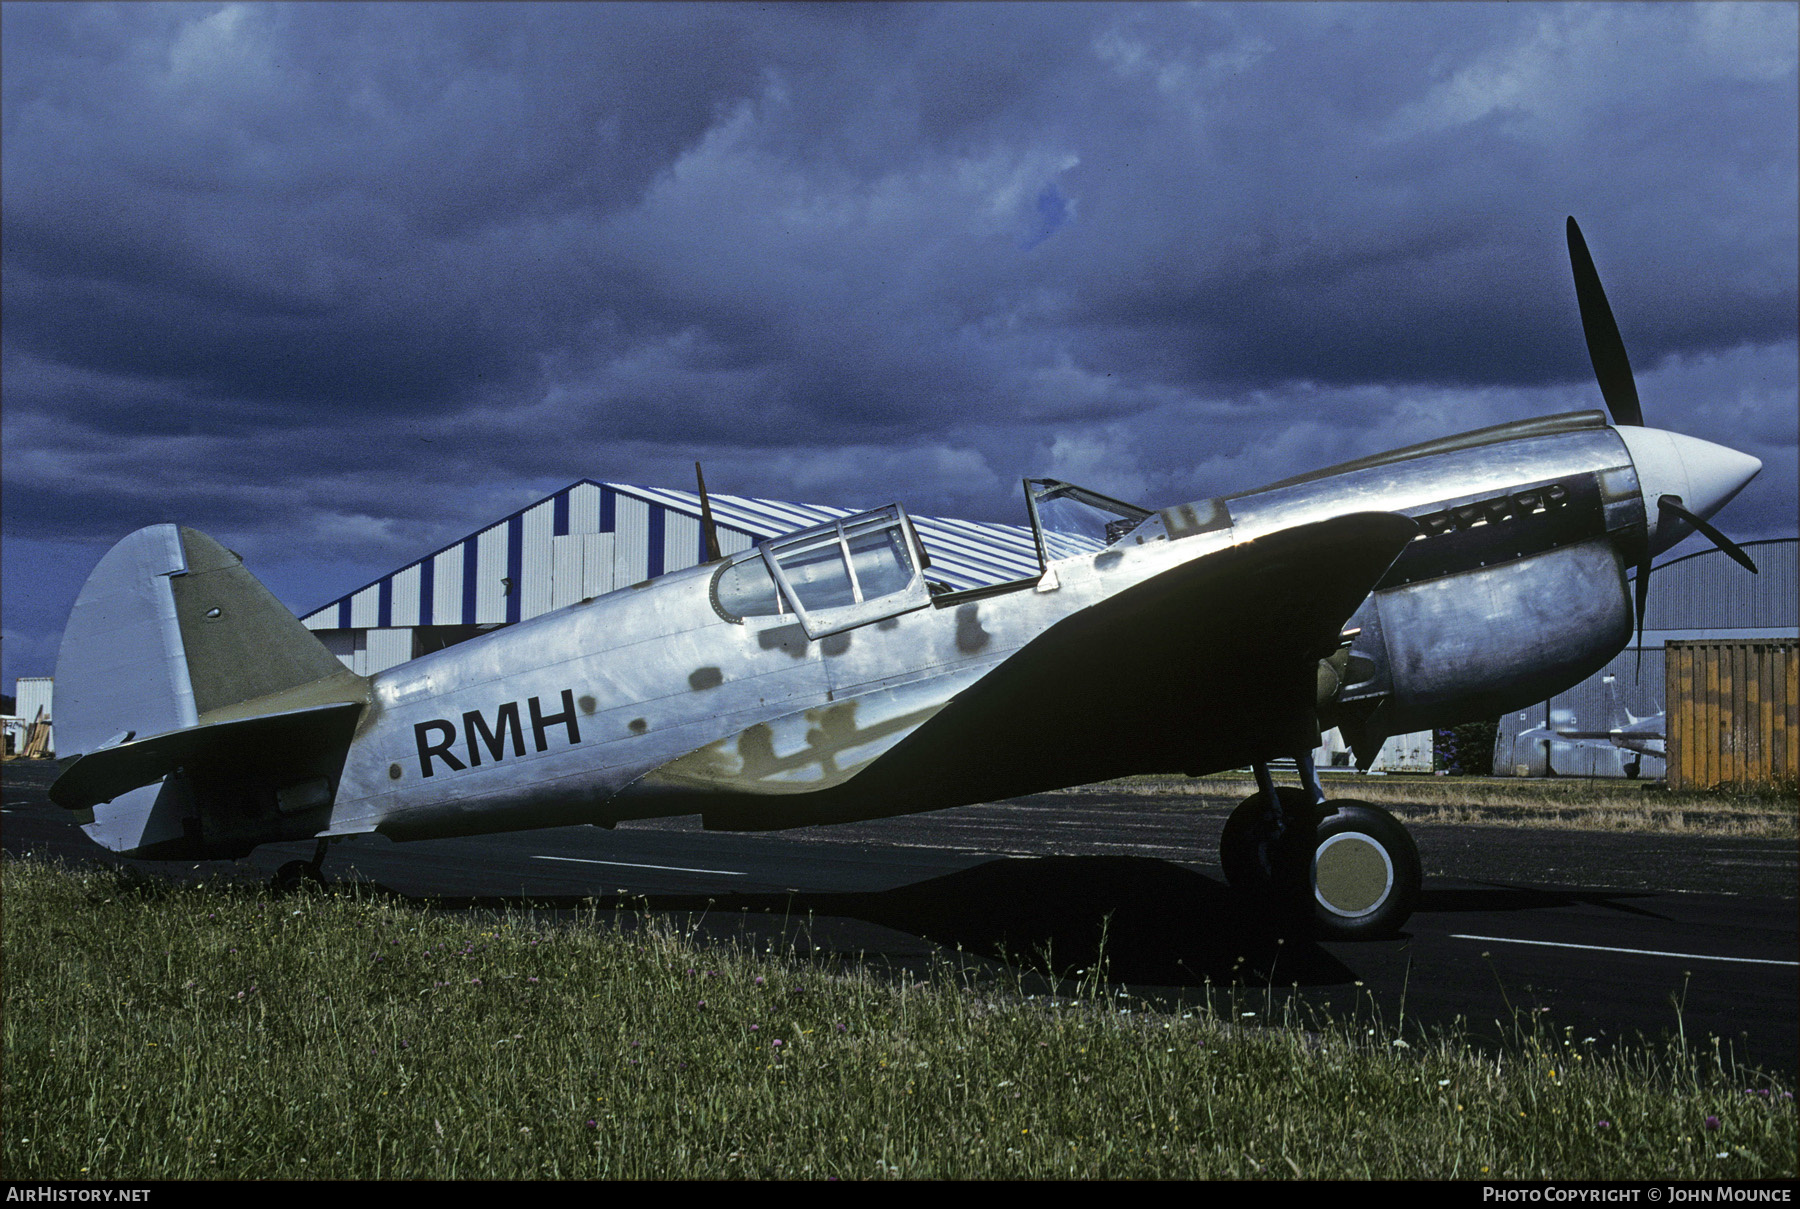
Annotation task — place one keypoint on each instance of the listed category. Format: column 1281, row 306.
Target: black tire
column 1365, row 873
column 1249, row 867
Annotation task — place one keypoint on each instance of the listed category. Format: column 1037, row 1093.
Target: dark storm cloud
column 346, row 281
column 302, row 205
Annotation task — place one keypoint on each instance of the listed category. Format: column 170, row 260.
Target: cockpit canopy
column 834, row 576
column 849, row 572
column 1069, row 521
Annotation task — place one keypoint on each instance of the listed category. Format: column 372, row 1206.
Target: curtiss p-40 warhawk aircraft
column 823, row 676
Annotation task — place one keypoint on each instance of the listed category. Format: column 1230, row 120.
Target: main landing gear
column 1345, row 869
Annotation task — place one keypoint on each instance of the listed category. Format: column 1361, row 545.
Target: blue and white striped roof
column 593, row 537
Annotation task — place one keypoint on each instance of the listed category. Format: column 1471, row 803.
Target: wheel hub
column 1352, row 874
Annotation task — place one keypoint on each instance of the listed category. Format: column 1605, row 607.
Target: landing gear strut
column 1346, row 869
column 289, row 877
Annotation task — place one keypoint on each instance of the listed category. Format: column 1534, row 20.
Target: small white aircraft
column 821, row 676
column 1532, row 749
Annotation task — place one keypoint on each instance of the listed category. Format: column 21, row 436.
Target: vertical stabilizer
column 122, row 666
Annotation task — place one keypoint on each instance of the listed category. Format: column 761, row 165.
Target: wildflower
column 1712, row 1122
column 1606, row 1125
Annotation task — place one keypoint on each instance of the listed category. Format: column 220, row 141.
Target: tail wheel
column 1365, row 873
column 291, row 876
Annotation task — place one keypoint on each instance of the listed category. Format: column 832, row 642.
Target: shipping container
column 1733, row 713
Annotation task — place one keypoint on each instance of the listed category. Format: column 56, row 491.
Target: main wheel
column 1365, row 873
column 1260, row 864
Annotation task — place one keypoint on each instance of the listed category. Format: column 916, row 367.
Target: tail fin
column 1617, row 716
column 171, row 633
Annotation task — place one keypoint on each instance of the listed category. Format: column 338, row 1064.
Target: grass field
column 163, row 1031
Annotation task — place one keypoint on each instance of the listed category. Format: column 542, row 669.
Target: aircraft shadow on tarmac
column 1496, row 896
column 1159, row 923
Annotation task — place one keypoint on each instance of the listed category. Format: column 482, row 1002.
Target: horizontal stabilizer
column 246, row 749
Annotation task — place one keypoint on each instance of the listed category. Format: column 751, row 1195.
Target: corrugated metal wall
column 1705, row 591
column 31, row 693
column 583, row 541
column 1734, row 713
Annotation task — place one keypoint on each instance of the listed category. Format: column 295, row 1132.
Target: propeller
column 1606, row 348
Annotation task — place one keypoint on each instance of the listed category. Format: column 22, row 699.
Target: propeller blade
column 1643, row 600
column 708, row 529
column 1672, row 503
column 1605, row 347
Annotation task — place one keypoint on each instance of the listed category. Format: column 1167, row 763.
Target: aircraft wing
column 1210, row 665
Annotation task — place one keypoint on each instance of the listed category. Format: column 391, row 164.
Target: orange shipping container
column 1733, row 713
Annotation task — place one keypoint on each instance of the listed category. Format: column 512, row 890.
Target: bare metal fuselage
column 653, row 700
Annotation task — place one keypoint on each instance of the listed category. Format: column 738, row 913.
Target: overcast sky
column 341, row 284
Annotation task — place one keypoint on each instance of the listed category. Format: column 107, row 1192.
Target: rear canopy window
column 850, row 572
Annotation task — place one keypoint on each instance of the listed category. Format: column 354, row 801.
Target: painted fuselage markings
column 583, row 860
column 1556, row 944
column 437, row 736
